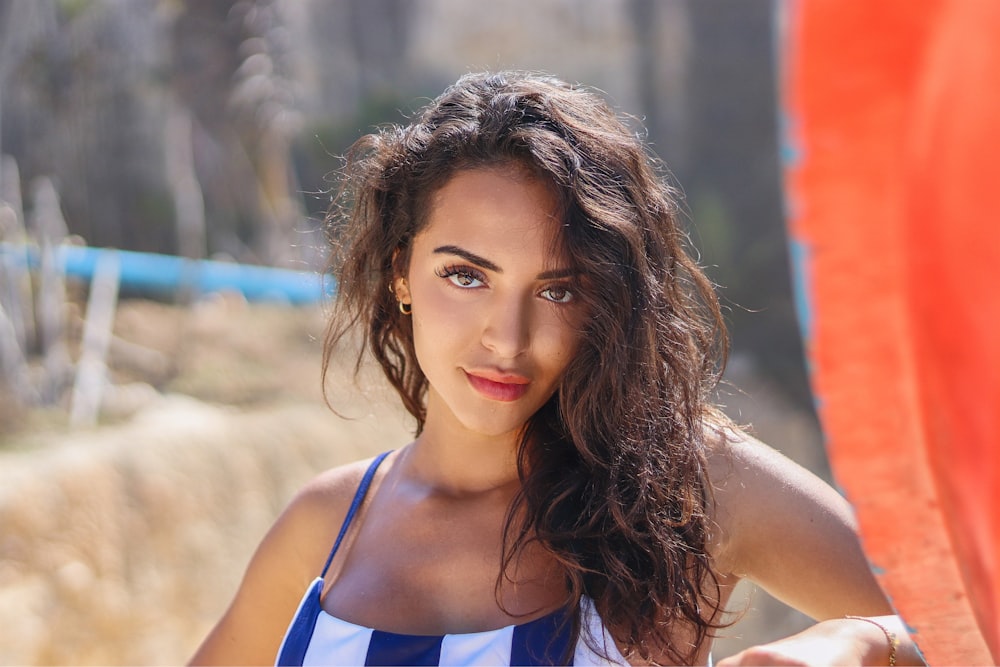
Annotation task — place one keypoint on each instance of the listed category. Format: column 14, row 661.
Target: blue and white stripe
column 317, row 638
column 314, row 637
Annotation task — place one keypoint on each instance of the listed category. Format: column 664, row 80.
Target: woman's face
column 495, row 313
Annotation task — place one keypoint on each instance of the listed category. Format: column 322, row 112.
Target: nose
column 507, row 326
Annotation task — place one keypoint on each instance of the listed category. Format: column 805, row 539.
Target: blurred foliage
column 213, row 126
column 322, row 145
column 732, row 174
column 72, row 9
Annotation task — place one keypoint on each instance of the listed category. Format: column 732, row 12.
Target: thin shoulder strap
column 359, row 497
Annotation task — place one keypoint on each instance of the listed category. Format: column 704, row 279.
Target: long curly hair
column 613, row 467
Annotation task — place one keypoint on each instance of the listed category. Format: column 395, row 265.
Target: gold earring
column 405, row 308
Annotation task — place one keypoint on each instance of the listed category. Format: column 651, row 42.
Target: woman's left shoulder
column 732, row 448
column 760, row 498
column 741, row 467
column 786, row 529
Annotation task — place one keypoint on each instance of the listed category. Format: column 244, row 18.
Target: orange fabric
column 893, row 182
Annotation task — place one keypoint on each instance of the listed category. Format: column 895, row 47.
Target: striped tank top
column 315, row 637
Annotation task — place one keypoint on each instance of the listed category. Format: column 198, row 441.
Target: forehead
column 496, row 208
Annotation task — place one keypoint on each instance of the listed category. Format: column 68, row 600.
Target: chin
column 494, row 428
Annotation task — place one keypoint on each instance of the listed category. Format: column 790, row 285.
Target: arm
column 789, row 532
column 846, row 641
column 290, row 556
column 250, row 631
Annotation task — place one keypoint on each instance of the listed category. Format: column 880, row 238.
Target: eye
column 464, row 277
column 464, row 280
column 557, row 294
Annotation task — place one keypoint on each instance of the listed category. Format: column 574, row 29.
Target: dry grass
column 123, row 543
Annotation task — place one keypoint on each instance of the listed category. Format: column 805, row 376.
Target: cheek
column 558, row 342
column 438, row 321
column 437, row 308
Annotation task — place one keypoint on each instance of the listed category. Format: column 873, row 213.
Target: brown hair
column 613, row 466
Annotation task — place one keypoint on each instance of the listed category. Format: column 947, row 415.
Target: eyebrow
column 484, row 263
column 468, row 256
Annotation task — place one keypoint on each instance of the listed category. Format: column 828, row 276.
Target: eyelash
column 451, row 271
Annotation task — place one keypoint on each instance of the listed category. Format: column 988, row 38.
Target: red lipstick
column 496, row 386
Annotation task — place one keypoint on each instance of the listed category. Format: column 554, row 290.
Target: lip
column 498, row 386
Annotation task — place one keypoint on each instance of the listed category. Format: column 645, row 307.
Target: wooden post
column 15, row 289
column 16, row 312
column 13, row 371
column 189, row 202
column 50, row 227
column 91, row 374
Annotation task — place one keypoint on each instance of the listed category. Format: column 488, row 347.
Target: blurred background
column 139, row 467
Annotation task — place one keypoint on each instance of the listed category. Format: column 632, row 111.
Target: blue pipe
column 163, row 275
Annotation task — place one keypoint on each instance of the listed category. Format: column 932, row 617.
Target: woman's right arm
column 290, row 556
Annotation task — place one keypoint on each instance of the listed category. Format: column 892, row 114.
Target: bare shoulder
column 310, row 522
column 781, row 526
column 741, row 464
column 758, row 489
column 289, row 557
column 330, row 488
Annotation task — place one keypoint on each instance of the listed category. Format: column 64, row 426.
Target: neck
column 456, row 461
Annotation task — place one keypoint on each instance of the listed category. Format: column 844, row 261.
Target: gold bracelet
column 889, row 635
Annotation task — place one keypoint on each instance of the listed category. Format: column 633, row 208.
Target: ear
column 399, row 285
column 401, row 289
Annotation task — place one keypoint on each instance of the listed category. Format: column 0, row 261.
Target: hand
column 833, row 642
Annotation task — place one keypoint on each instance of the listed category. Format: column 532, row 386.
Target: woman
column 515, row 262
